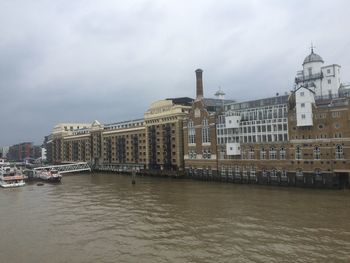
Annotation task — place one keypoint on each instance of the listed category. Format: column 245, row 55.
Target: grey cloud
column 83, row 60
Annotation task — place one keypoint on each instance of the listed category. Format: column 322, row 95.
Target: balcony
column 303, row 78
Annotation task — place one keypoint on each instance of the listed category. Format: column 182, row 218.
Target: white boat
column 50, row 175
column 3, row 162
column 11, row 177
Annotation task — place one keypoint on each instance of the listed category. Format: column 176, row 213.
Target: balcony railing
column 308, row 78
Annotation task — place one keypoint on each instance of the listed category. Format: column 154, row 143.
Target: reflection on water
column 104, row 218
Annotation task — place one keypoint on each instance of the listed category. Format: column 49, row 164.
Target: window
column 298, row 153
column 317, row 153
column 299, row 173
column 302, row 105
column 191, row 132
column 339, row 153
column 244, row 172
column 205, row 131
column 329, row 81
column 272, row 153
column 282, row 153
column 263, row 154
column 318, row 173
column 237, row 172
column 264, row 173
column 251, row 154
column 252, row 172
column 223, row 171
column 283, row 173
column 303, row 116
column 310, row 71
column 336, row 114
column 206, row 154
column 273, row 173
column 328, row 71
column 192, row 155
column 302, row 94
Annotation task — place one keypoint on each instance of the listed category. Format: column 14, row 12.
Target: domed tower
column 323, row 80
column 311, row 76
column 312, row 63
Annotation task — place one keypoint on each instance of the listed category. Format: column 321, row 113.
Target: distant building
column 4, row 151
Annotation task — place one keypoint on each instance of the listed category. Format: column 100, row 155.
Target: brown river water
column 104, row 218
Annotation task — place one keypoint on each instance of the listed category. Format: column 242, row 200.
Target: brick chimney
column 199, row 87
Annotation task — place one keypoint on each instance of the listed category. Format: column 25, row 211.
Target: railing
column 67, row 168
column 308, row 77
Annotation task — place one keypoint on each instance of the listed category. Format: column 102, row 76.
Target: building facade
column 301, row 138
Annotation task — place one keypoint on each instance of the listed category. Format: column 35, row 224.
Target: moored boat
column 11, row 177
column 50, row 175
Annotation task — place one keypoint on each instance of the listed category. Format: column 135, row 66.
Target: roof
column 213, row 105
column 313, row 57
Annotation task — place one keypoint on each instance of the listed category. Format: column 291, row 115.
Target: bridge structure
column 66, row 168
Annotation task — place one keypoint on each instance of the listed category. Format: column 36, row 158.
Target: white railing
column 67, row 168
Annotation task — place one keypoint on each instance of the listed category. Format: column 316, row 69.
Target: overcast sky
column 81, row 60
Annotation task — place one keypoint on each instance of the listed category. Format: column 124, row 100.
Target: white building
column 258, row 121
column 304, row 101
column 323, row 80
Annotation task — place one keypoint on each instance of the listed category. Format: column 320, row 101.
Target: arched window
column 317, row 153
column 191, row 132
column 272, row 153
column 318, row 172
column 205, row 131
column 298, row 152
column 299, row 173
column 282, row 153
column 339, row 153
column 273, row 173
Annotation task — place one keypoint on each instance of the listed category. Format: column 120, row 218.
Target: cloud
column 83, row 60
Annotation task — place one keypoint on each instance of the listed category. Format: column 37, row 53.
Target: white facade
column 304, row 100
column 233, row 149
column 258, row 121
column 323, row 80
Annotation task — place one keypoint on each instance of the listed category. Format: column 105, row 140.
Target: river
column 104, row 218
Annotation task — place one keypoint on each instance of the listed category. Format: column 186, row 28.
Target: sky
column 108, row 60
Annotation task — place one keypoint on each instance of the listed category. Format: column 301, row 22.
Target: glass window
column 298, row 152
column 339, row 153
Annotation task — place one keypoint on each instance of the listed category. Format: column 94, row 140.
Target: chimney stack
column 199, row 87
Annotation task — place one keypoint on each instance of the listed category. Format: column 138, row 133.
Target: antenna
column 312, row 47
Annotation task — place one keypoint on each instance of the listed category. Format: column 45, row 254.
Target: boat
column 11, row 177
column 50, row 175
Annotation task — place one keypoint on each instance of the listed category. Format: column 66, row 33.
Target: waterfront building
column 301, row 138
column 55, row 144
column 200, row 147
column 155, row 142
column 298, row 138
column 164, row 133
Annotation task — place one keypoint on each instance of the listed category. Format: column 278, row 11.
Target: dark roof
column 185, row 101
column 313, row 57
